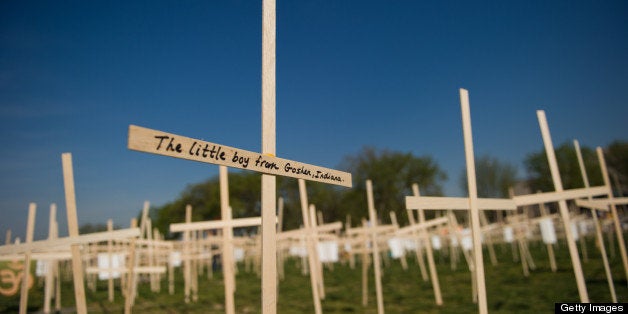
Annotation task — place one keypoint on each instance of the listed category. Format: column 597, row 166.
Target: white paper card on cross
column 548, row 232
column 42, row 268
column 114, row 261
column 436, row 243
column 396, row 247
column 509, row 236
column 328, row 251
column 174, row 258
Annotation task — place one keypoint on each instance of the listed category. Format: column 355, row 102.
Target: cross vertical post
column 428, row 249
column 598, row 230
column 376, row 262
column 110, row 258
column 187, row 249
column 52, row 264
column 476, row 228
column 30, row 229
column 269, row 231
column 618, row 230
column 562, row 205
column 227, row 248
column 311, row 250
column 70, row 204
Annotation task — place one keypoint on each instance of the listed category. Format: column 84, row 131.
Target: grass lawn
column 404, row 291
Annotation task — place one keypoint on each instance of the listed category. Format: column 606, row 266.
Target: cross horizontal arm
column 172, row 145
column 297, row 233
column 124, row 270
column 601, row 204
column 47, row 256
column 54, row 244
column 371, row 229
column 457, row 203
column 215, row 224
column 549, row 197
column 592, row 204
column 419, row 226
column 329, row 227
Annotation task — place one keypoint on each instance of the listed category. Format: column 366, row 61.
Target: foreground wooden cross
column 270, row 166
column 561, row 196
column 472, row 203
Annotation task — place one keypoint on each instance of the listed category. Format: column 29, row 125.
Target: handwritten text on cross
column 162, row 143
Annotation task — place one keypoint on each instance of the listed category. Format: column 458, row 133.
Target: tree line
column 393, row 174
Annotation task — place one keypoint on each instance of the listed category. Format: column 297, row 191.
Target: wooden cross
column 359, row 238
column 520, row 224
column 603, row 204
column 70, row 204
column 428, row 245
column 395, row 243
column 265, row 162
column 53, row 264
column 459, row 238
column 30, row 229
column 548, row 197
column 421, row 227
column 613, row 204
column 310, row 244
column 598, row 230
column 546, row 222
column 225, row 224
column 561, row 196
column 73, row 241
column 472, row 203
column 376, row 261
column 54, row 249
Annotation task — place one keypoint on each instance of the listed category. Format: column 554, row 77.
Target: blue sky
column 75, row 74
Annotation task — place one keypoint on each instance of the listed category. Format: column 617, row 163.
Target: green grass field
column 404, row 291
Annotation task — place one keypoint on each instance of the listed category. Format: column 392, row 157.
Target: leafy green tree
column 493, row 177
column 326, row 198
column 540, row 178
column 493, row 180
column 244, row 198
column 91, row 228
column 393, row 174
column 616, row 156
